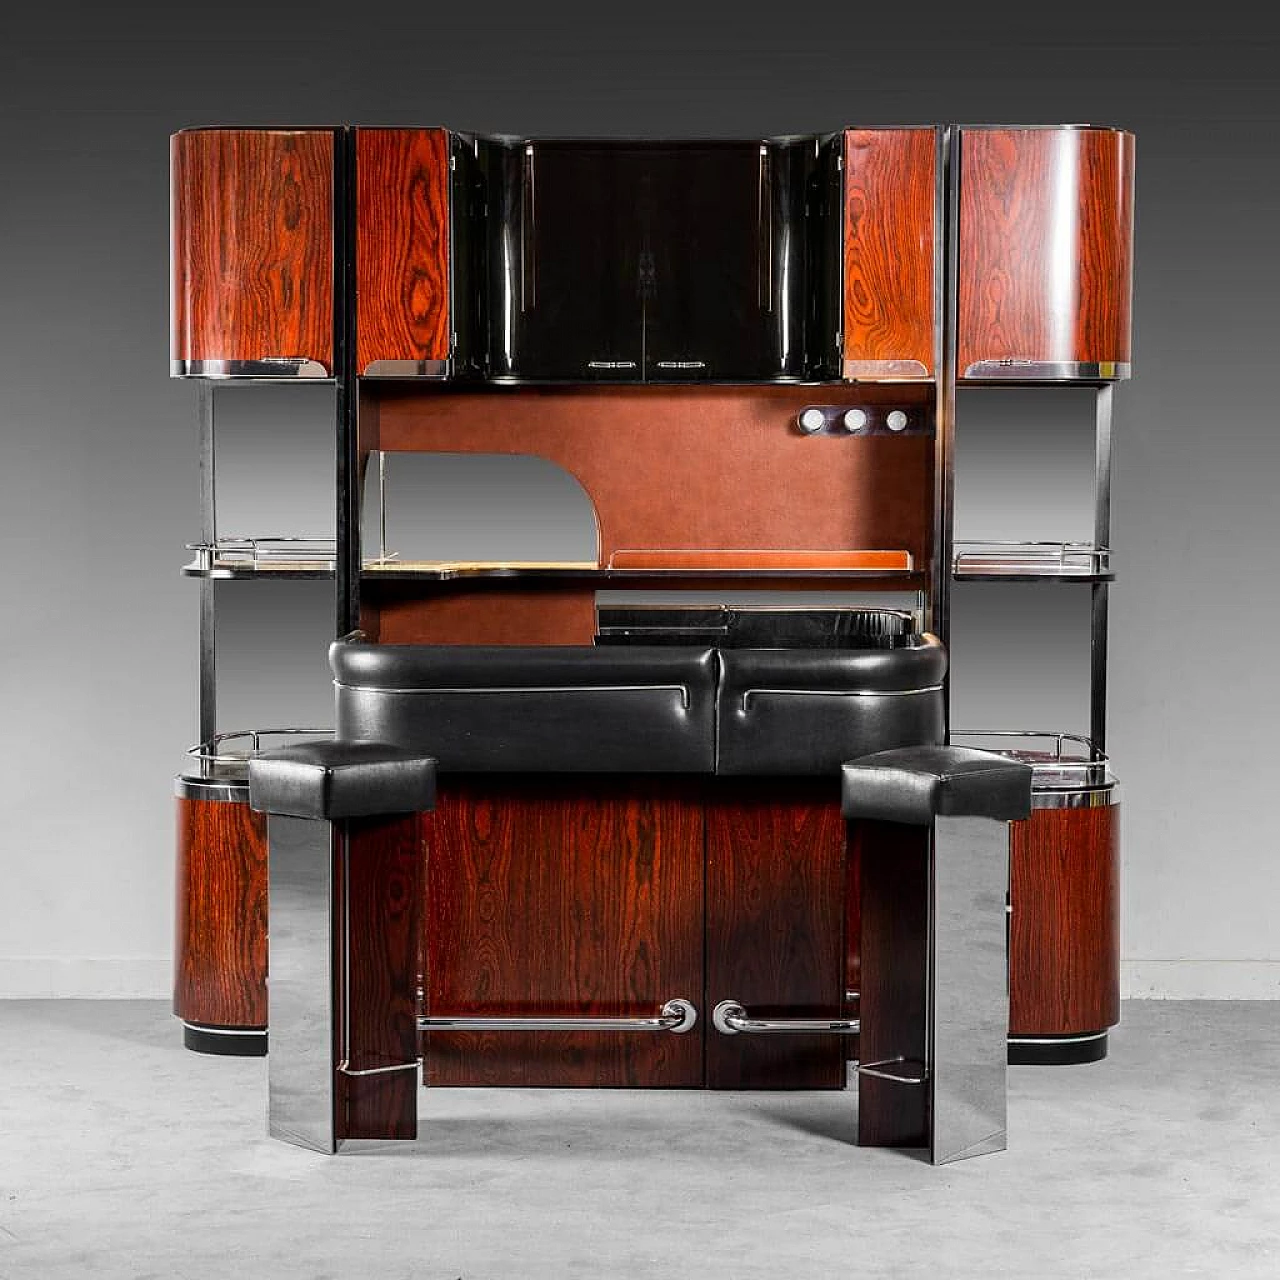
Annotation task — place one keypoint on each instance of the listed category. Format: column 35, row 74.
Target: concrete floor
column 122, row 1155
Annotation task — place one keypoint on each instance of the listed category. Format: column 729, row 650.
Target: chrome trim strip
column 345, row 1068
column 1085, row 1039
column 731, row 1019
column 221, row 790
column 918, row 1076
column 677, row 1016
column 1101, row 797
column 1018, row 369
column 222, row 1031
column 885, row 370
column 682, row 690
column 839, row 693
column 406, row 369
column 268, row 368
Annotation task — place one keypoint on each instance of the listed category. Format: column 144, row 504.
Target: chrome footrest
column 731, row 1019
column 676, row 1016
column 899, row 1070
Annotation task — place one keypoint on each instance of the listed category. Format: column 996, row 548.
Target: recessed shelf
column 1031, row 562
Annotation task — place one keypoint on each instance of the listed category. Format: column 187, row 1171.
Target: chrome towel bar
column 731, row 1019
column 676, row 1016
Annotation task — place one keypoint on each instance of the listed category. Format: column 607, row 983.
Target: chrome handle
column 682, row 364
column 731, row 1019
column 611, row 364
column 676, row 1016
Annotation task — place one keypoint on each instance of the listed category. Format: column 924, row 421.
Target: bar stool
column 343, row 861
column 931, row 825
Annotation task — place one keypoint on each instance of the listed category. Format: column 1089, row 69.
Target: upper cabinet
column 801, row 259
column 660, row 261
column 252, row 244
column 890, row 202
column 1045, row 254
column 402, row 252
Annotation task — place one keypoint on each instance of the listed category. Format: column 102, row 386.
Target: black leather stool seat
column 917, row 784
column 329, row 780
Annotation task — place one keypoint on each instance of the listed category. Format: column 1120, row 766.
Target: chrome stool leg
column 300, row 1057
column 968, row 988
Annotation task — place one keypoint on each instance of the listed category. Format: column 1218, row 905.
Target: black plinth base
column 228, row 1042
column 1057, row 1051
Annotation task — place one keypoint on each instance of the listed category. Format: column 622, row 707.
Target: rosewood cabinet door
column 220, row 966
column 1064, row 930
column 570, row 894
column 252, row 243
column 889, row 225
column 1045, row 257
column 402, row 252
column 775, row 890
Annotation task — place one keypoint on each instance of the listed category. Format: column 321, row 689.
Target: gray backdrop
column 99, row 476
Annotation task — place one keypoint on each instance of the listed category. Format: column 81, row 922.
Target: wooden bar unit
column 738, row 354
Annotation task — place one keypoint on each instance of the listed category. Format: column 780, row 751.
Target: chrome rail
column 731, row 1019
column 676, row 1016
column 261, row 551
column 210, row 751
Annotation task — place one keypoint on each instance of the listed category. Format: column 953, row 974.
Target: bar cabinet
column 747, row 354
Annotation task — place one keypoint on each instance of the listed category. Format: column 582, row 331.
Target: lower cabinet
column 1064, row 931
column 220, row 943
column 609, row 895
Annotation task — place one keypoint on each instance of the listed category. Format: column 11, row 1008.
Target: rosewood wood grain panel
column 775, row 928
column 697, row 468
column 1064, row 934
column 894, row 861
column 579, row 894
column 252, row 224
column 402, row 247
column 1046, row 243
column 385, row 863
column 220, row 964
column 889, row 202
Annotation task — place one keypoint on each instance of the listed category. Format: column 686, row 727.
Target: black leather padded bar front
column 807, row 711
column 341, row 780
column 917, row 784
column 543, row 709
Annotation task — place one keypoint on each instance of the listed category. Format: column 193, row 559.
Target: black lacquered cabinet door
column 567, row 306
column 654, row 261
column 705, row 213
